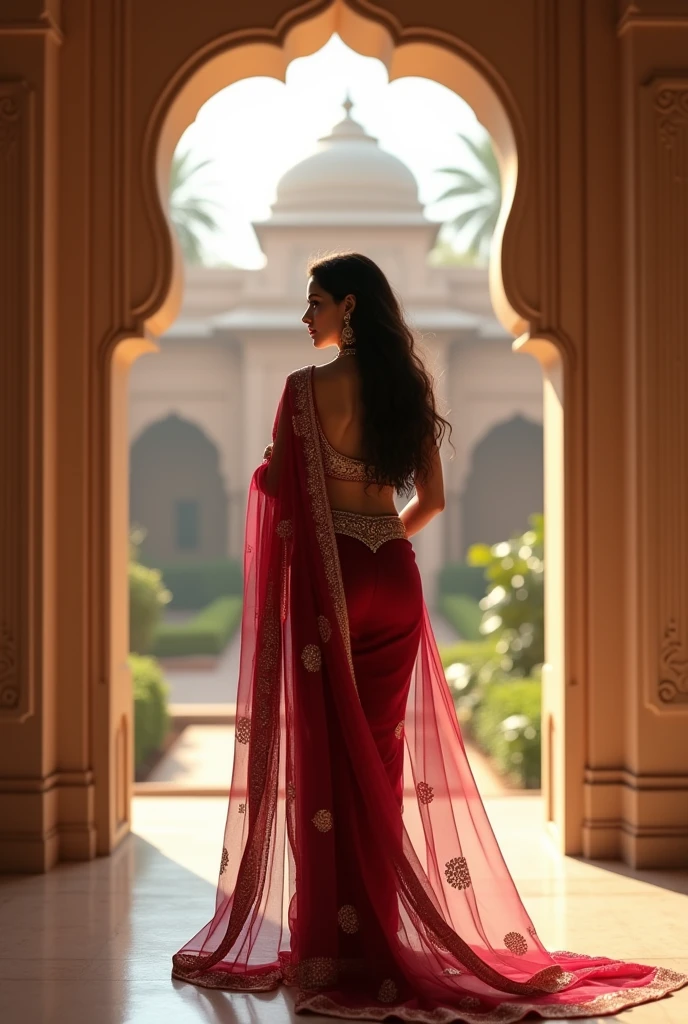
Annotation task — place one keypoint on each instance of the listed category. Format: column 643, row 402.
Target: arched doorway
column 505, row 483
column 267, row 52
column 177, row 494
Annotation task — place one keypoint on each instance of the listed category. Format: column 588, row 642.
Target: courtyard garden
column 496, row 603
column 175, row 612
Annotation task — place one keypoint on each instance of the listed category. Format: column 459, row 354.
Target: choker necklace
column 349, row 350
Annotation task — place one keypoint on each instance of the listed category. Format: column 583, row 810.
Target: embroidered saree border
column 664, row 982
column 306, row 428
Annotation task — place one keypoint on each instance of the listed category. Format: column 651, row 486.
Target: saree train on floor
column 391, row 911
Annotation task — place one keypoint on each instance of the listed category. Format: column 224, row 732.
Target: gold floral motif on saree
column 425, row 793
column 553, row 978
column 348, row 919
column 243, row 730
column 451, row 970
column 317, row 972
column 457, row 874
column 311, row 658
column 469, row 1003
column 516, row 943
column 387, row 991
column 242, row 808
column 224, row 860
column 324, row 628
column 398, row 729
column 322, row 820
column 373, row 531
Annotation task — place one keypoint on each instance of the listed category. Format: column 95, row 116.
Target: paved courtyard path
column 219, row 684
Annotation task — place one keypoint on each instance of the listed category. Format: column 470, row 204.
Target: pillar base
column 642, row 819
column 51, row 820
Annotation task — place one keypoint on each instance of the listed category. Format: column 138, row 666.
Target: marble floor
column 91, row 943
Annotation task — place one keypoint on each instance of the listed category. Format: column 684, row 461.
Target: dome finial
column 348, row 105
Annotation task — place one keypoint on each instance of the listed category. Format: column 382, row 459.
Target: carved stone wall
column 16, row 406
column 85, row 283
column 642, row 800
column 662, row 389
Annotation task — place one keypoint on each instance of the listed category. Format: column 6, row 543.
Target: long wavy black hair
column 400, row 417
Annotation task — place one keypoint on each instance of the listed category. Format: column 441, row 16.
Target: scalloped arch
column 172, row 410
column 373, row 33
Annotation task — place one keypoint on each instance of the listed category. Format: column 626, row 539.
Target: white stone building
column 202, row 409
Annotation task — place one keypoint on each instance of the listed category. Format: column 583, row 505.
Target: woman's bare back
column 337, row 388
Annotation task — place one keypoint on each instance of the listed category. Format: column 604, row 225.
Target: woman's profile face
column 324, row 317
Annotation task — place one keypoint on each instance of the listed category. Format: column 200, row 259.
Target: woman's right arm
column 428, row 500
column 274, row 453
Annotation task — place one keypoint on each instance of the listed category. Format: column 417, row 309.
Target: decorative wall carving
column 661, row 386
column 671, row 108
column 9, row 691
column 673, row 681
column 16, row 304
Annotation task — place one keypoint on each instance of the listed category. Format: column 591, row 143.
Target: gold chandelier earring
column 348, row 346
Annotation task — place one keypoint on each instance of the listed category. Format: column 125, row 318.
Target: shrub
column 147, row 598
column 151, row 717
column 195, row 585
column 514, row 604
column 469, row 652
column 463, row 664
column 207, row 633
column 506, row 724
column 462, row 578
column 464, row 614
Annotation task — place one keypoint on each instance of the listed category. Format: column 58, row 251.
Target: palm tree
column 189, row 211
column 484, row 188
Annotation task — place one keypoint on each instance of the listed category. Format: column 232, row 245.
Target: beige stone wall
column 587, row 104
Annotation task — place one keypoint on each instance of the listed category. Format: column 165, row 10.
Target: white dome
column 348, row 178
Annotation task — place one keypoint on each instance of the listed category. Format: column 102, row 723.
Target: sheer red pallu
column 389, row 910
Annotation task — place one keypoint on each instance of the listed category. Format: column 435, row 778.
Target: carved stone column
column 653, row 785
column 29, row 780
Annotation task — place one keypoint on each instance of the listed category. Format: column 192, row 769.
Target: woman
column 398, row 902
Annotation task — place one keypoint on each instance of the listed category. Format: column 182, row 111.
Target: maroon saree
column 398, row 902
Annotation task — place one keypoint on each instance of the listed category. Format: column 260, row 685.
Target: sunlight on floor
column 91, row 943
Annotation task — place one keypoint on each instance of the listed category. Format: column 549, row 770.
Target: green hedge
column 151, row 717
column 506, row 724
column 195, row 585
column 468, row 652
column 464, row 614
column 147, row 598
column 207, row 633
column 461, row 578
